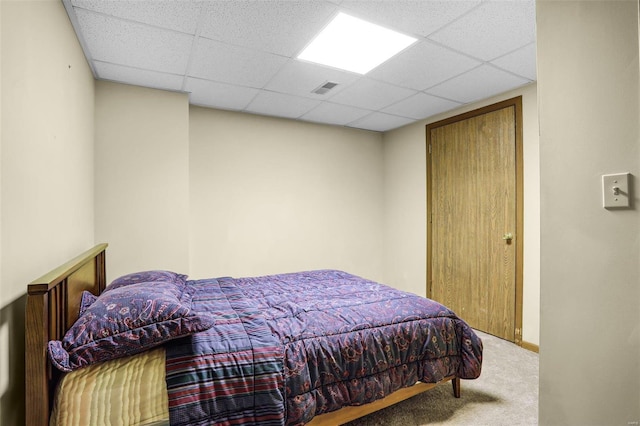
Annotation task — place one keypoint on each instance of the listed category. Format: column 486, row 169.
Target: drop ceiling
column 240, row 55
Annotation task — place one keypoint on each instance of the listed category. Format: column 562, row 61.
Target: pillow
column 87, row 300
column 126, row 321
column 147, row 277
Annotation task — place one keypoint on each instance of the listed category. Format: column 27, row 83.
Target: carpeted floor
column 506, row 393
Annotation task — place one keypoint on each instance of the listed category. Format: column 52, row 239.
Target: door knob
column 508, row 237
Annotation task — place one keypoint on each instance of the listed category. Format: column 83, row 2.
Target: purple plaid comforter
column 288, row 347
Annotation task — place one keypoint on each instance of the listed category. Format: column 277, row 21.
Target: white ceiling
column 241, row 54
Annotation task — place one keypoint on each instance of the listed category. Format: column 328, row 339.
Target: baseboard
column 531, row 346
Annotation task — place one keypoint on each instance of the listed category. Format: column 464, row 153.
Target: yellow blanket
column 128, row 391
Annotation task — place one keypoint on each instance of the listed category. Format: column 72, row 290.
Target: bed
column 314, row 347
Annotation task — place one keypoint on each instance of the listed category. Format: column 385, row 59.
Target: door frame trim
column 519, row 271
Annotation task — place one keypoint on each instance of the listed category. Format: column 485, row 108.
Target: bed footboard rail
column 53, row 302
column 347, row 414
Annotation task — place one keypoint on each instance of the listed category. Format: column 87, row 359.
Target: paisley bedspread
column 291, row 346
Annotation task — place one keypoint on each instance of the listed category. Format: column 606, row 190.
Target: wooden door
column 475, row 217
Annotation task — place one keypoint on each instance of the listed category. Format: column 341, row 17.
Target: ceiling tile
column 138, row 77
column 135, row 45
column 521, row 62
column 491, row 30
column 412, row 17
column 422, row 66
column 421, row 106
column 271, row 103
column 219, row 95
column 283, row 27
column 301, row 78
column 240, row 54
column 175, row 15
column 225, row 63
column 370, row 94
column 380, row 122
column 335, row 114
column 480, row 83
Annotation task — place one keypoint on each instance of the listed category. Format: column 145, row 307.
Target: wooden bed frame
column 53, row 302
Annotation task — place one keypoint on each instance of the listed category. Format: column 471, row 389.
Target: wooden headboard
column 53, row 302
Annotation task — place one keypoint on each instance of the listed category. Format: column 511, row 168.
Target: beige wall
column 590, row 271
column 46, row 168
column 215, row 193
column 405, row 205
column 142, row 178
column 271, row 195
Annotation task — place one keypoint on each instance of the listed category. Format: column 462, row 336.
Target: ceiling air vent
column 324, row 88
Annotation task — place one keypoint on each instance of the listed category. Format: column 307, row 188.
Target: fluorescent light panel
column 354, row 45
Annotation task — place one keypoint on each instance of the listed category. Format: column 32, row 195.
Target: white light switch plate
column 615, row 191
